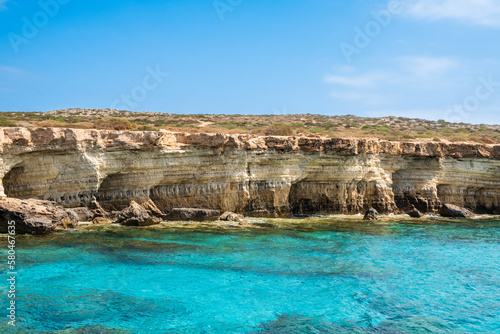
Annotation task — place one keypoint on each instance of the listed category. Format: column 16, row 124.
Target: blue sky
column 434, row 59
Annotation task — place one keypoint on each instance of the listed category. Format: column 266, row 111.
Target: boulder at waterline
column 34, row 216
column 414, row 213
column 193, row 214
column 84, row 214
column 97, row 209
column 454, row 211
column 136, row 215
column 101, row 220
column 231, row 216
column 152, row 209
column 371, row 214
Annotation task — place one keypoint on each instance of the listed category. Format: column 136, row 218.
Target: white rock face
column 260, row 176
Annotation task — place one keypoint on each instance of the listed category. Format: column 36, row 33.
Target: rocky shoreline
column 41, row 217
column 33, row 216
column 139, row 178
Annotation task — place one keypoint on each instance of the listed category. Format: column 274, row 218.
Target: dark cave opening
column 14, row 185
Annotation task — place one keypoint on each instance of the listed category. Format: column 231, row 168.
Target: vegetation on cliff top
column 389, row 128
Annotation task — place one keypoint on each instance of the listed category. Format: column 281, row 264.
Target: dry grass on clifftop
column 389, row 128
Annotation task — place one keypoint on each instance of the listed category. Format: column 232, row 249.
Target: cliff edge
column 255, row 175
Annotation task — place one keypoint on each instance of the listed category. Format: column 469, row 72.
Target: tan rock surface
column 256, row 176
column 34, row 216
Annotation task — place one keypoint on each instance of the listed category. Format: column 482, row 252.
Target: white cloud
column 351, row 86
column 427, row 67
column 475, row 12
column 418, row 75
column 409, row 69
column 367, row 79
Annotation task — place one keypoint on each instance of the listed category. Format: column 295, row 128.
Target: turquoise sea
column 336, row 276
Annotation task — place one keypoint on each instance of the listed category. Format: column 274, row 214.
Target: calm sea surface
column 331, row 277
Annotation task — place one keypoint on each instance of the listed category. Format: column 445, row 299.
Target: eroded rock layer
column 259, row 176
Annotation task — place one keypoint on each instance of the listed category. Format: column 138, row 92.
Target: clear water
column 339, row 277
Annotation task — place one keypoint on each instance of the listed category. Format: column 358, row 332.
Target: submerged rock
column 193, row 214
column 136, row 215
column 453, row 211
column 34, row 216
column 93, row 329
column 264, row 225
column 371, row 214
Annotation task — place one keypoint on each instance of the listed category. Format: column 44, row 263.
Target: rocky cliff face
column 260, row 176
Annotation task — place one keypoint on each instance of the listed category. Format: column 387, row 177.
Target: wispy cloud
column 427, row 67
column 384, row 87
column 2, row 4
column 409, row 69
column 475, row 12
column 350, row 85
column 363, row 80
column 11, row 70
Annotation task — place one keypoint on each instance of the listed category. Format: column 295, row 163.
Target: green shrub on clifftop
column 279, row 129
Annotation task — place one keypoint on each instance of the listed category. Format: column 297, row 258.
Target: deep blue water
column 343, row 277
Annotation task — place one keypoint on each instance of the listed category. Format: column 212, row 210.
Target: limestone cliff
column 268, row 176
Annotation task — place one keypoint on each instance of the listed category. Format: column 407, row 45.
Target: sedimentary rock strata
column 256, row 176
